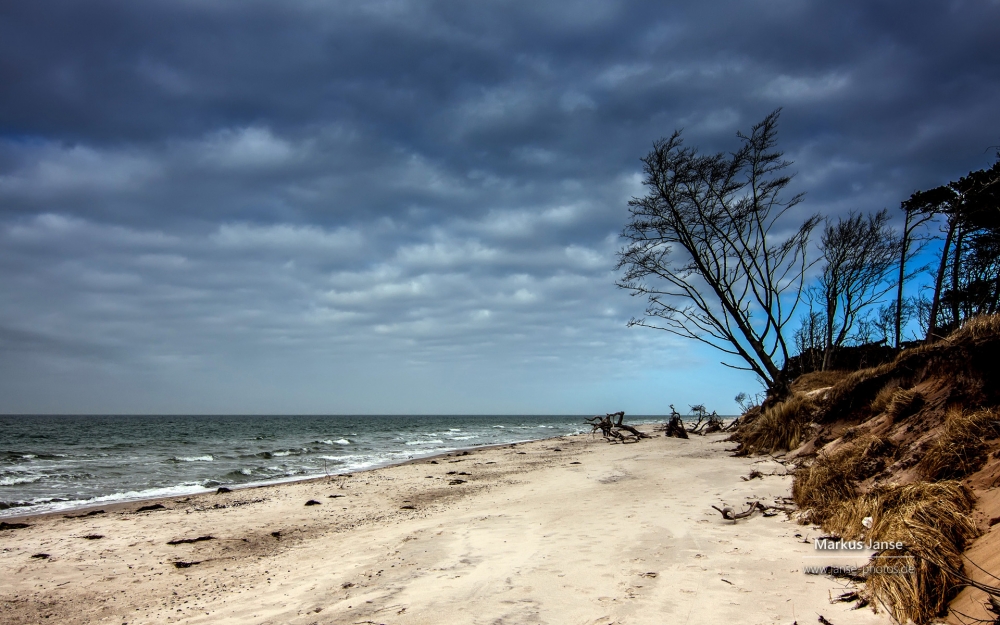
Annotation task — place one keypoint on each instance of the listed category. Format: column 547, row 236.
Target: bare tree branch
column 860, row 253
column 701, row 249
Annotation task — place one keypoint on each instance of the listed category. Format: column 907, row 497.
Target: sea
column 61, row 462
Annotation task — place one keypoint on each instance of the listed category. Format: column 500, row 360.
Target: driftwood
column 707, row 423
column 188, row 541
column 731, row 515
column 714, row 424
column 675, row 427
column 615, row 431
column 696, row 410
column 732, row 425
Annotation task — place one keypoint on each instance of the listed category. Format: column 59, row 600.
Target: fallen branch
column 615, row 431
column 706, row 423
column 731, row 515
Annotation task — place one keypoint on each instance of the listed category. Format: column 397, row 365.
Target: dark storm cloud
column 289, row 206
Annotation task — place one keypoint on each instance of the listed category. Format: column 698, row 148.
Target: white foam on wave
column 389, row 448
column 29, row 456
column 186, row 488
column 14, row 480
column 152, row 493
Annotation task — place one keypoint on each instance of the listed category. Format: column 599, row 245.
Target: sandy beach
column 566, row 530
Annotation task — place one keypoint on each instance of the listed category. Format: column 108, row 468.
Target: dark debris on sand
column 188, row 541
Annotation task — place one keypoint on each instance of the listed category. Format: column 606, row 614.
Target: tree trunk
column 902, row 275
column 831, row 312
column 939, row 281
column 956, row 274
column 996, row 297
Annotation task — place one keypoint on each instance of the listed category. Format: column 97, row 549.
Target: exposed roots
column 936, row 409
column 615, row 431
column 675, row 428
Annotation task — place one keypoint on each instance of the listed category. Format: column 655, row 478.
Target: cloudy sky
column 315, row 206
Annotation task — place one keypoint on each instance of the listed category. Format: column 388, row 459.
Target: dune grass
column 977, row 328
column 884, row 396
column 817, row 380
column 830, row 480
column 957, row 408
column 778, row 429
column 933, row 522
column 961, row 449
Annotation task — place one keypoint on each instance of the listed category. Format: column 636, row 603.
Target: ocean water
column 62, row 462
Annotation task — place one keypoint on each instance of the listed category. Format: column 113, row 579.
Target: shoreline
column 86, row 505
column 563, row 529
column 116, row 506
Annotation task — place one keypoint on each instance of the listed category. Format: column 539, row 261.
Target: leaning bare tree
column 703, row 248
column 860, row 253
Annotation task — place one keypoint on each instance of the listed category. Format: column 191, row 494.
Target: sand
column 567, row 530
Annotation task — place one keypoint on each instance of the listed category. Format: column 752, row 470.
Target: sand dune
column 591, row 533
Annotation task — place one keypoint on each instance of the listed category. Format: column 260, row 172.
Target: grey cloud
column 24, row 343
column 283, row 207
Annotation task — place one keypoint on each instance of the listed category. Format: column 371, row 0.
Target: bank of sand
column 566, row 530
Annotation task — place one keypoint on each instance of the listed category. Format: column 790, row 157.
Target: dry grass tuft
column 904, row 403
column 778, row 429
column 817, row 380
column 933, row 523
column 961, row 448
column 856, row 392
column 977, row 328
column 964, row 359
column 881, row 401
column 830, row 480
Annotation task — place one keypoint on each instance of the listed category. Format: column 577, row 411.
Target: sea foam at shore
column 62, row 462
